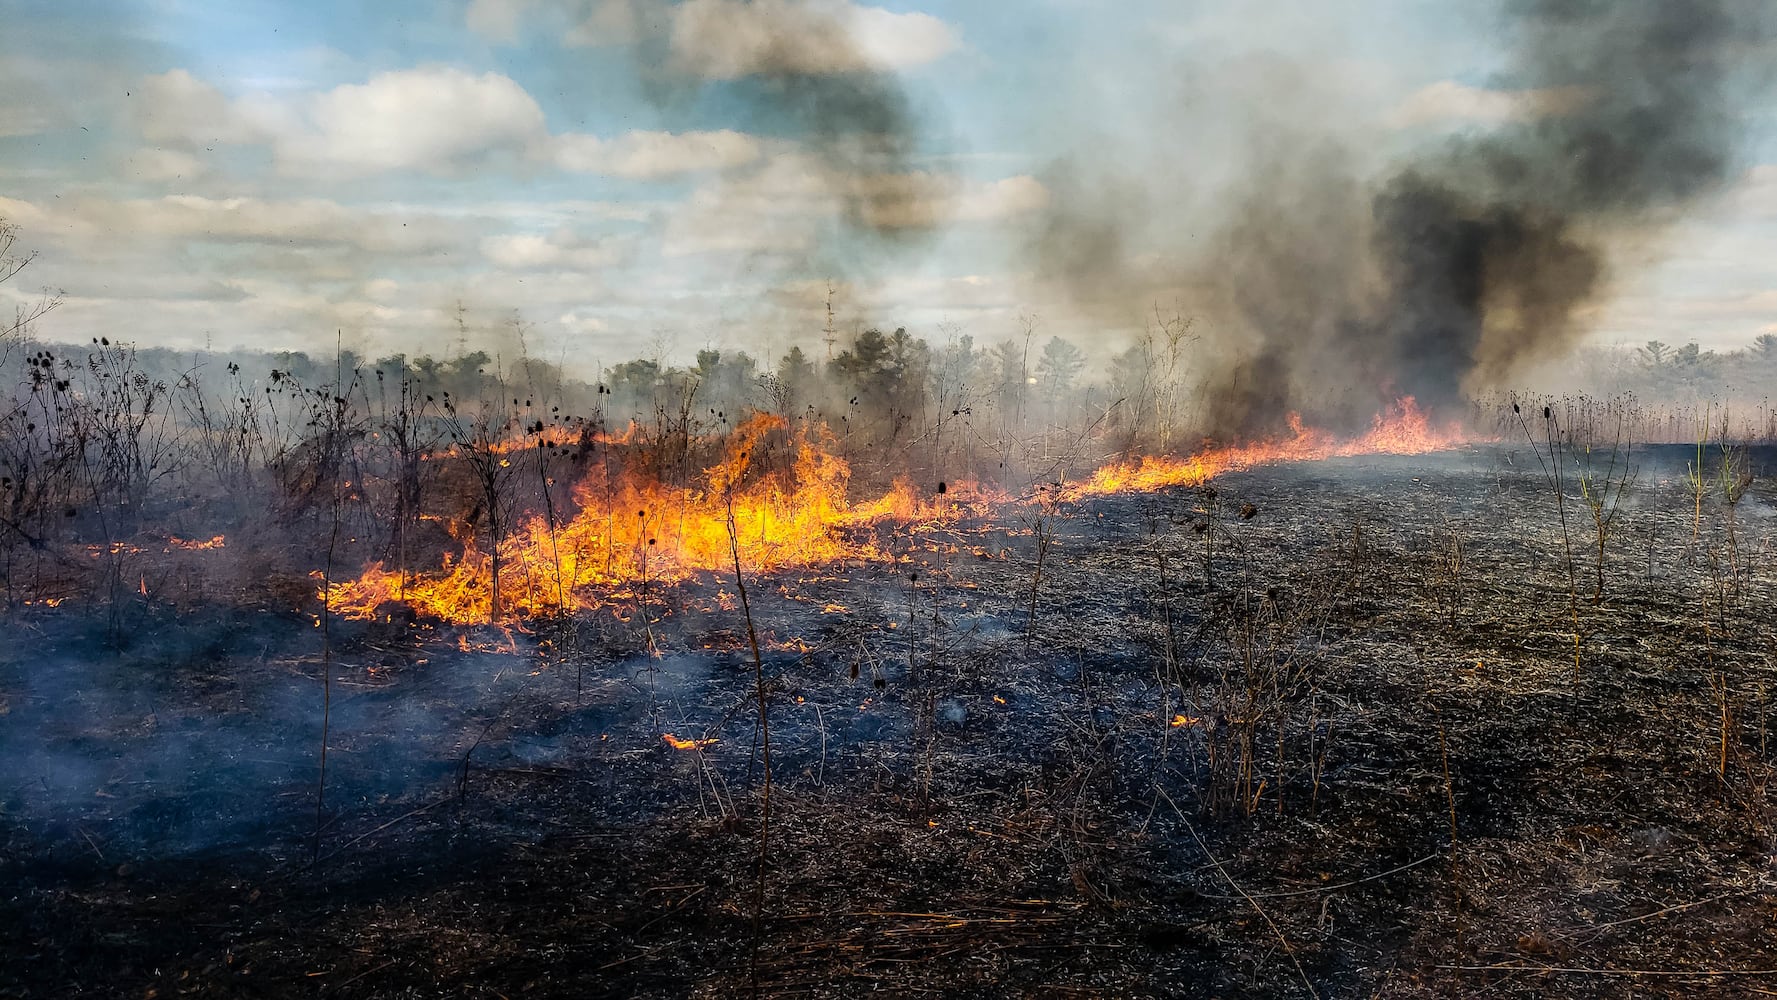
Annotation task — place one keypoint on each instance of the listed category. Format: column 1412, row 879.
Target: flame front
column 625, row 532
column 631, row 532
column 1403, row 429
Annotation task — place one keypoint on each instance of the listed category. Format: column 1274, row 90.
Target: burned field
column 1339, row 617
column 1364, row 726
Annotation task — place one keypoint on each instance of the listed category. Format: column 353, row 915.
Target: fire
column 630, row 532
column 173, row 544
column 1402, row 429
column 778, row 495
column 679, row 744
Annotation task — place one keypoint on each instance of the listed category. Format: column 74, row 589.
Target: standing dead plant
column 1603, row 485
column 724, row 478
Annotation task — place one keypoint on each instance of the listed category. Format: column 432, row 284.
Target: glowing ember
column 679, row 744
column 1183, row 720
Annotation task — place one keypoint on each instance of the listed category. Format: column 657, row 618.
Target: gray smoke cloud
column 795, row 70
column 1338, row 290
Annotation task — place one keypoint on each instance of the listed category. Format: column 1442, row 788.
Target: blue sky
column 616, row 175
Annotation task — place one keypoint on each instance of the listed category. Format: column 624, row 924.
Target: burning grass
column 789, row 497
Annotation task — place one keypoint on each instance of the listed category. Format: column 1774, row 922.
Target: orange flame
column 630, row 533
column 1402, row 429
column 679, row 744
column 625, row 532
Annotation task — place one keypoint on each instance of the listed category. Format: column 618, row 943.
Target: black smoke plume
column 794, row 70
column 1478, row 255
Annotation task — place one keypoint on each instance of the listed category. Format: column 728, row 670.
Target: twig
column 746, row 608
column 1677, row 908
column 335, row 456
column 365, row 836
column 625, row 961
column 91, row 844
column 1223, row 872
column 679, row 906
column 1330, row 888
column 361, row 975
column 1578, row 971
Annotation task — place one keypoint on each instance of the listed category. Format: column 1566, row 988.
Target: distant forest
column 879, row 390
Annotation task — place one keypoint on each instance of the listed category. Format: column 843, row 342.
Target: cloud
column 1450, row 103
column 609, row 22
column 732, row 39
column 652, row 155
column 23, row 214
column 778, row 207
column 24, row 119
column 163, row 165
column 380, row 289
column 433, row 119
column 99, row 223
column 1756, row 195
column 497, row 20
column 588, row 23
column 177, row 109
column 561, row 249
column 581, row 325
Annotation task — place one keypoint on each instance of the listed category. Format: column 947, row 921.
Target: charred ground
column 1392, row 775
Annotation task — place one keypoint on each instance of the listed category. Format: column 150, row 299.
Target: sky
column 595, row 180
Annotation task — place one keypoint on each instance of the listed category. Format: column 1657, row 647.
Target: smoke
column 1463, row 260
column 822, row 74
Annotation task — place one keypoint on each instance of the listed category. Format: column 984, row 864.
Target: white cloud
column 1448, row 102
column 433, row 119
column 579, row 325
column 608, row 22
column 99, row 223
column 590, row 23
column 23, row 119
column 562, row 249
column 381, row 289
column 1756, row 194
column 497, row 20
column 651, row 155
column 177, row 109
column 776, row 208
column 163, row 165
column 731, row 39
column 23, row 214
